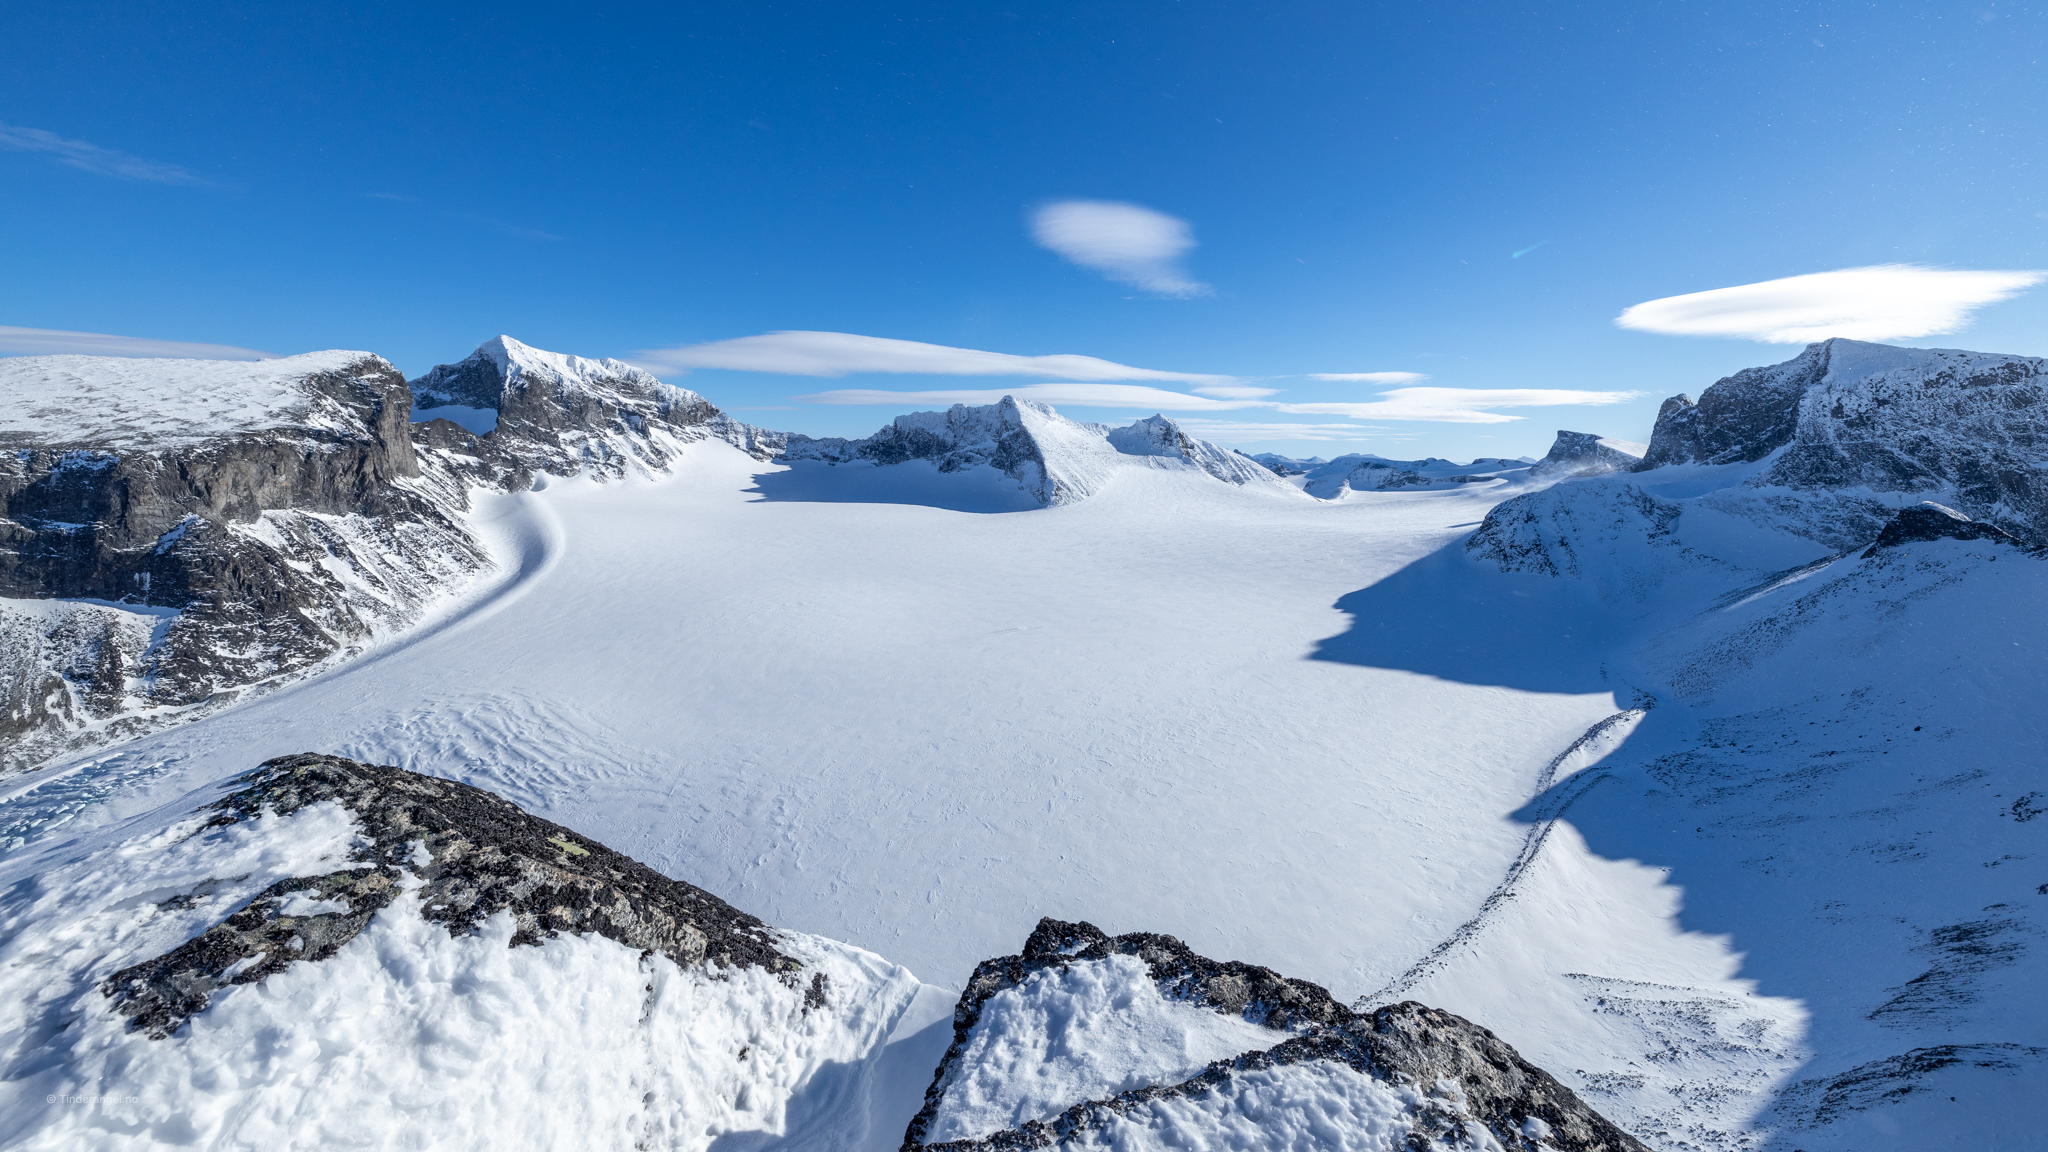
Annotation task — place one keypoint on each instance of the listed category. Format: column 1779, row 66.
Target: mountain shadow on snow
column 1275, row 1054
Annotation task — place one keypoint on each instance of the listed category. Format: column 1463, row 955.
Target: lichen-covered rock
column 471, row 853
column 1441, row 1079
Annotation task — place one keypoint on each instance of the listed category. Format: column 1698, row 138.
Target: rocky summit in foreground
column 1135, row 1042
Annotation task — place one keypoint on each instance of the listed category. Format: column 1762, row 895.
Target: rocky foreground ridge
column 1412, row 1076
column 328, row 906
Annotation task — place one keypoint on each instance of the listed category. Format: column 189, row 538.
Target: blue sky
column 1470, row 194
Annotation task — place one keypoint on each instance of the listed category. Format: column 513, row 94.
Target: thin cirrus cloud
column 1075, row 395
column 1129, row 243
column 1880, row 302
column 843, row 353
column 93, row 158
column 53, row 341
column 1456, row 405
column 1370, row 377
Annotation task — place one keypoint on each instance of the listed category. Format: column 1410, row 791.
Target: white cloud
column 1456, row 405
column 93, row 158
column 1881, row 302
column 51, row 341
column 1208, row 428
column 839, row 353
column 1067, row 395
column 1235, row 391
column 1370, row 377
column 1128, row 243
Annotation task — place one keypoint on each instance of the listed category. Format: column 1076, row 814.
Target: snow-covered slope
column 1053, row 459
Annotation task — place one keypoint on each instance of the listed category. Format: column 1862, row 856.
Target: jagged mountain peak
column 1586, row 454
column 502, row 364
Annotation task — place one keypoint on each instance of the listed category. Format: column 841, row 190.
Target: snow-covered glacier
column 1679, row 795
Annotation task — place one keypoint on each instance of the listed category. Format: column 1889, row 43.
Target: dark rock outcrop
column 1405, row 1045
column 475, row 855
column 1931, row 521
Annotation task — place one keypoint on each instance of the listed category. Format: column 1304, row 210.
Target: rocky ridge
column 471, row 854
column 1464, row 1085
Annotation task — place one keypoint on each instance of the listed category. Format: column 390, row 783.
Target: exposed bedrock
column 1586, row 454
column 473, row 854
column 1306, row 1059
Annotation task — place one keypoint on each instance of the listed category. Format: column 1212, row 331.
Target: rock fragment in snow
column 1931, row 521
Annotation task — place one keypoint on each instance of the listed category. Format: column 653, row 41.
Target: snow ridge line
column 1532, row 846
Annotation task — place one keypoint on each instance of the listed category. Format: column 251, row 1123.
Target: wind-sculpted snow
column 434, row 968
column 1585, row 454
column 1135, row 1041
column 1054, row 459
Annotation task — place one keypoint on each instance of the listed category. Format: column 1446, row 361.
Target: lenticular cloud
column 1128, row 243
column 1881, row 302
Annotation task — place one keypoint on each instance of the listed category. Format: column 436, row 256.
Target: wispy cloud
column 51, row 341
column 1456, row 405
column 93, row 158
column 841, row 353
column 1128, row 243
column 1370, row 377
column 1209, row 428
column 1881, row 302
column 1235, row 391
column 1071, row 395
column 393, row 197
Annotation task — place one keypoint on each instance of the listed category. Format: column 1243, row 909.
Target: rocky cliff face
column 1151, row 1011
column 1968, row 428
column 235, row 523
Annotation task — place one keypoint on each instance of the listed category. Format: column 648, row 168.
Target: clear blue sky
column 605, row 179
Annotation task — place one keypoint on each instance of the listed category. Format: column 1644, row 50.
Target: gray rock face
column 254, row 522
column 477, row 854
column 1970, row 427
column 1403, row 1047
column 1585, row 454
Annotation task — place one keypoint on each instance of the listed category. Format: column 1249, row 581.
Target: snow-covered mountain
column 1364, row 472
column 1054, row 459
column 1586, row 454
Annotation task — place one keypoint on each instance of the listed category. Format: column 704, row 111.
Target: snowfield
column 1715, row 813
